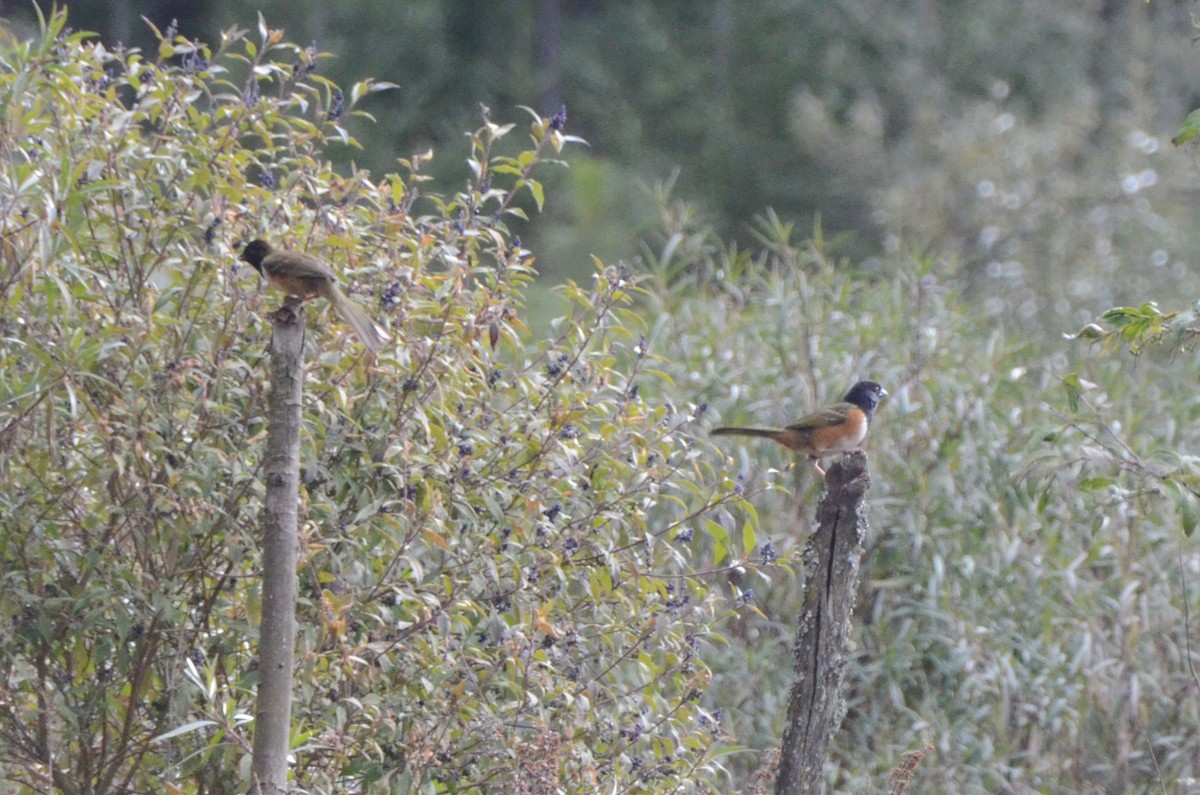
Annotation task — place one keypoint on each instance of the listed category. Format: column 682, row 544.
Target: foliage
column 500, row 535
column 1023, row 609
column 889, row 121
column 1139, row 329
column 513, row 548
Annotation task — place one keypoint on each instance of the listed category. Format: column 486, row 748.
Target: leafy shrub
column 497, row 583
column 1026, row 586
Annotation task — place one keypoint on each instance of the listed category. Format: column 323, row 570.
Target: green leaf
column 1189, row 129
column 749, row 539
column 1187, row 505
column 720, row 540
column 1074, row 389
column 1091, row 331
column 184, row 729
column 364, row 87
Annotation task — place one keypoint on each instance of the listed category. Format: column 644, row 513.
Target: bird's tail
column 372, row 336
column 767, row 433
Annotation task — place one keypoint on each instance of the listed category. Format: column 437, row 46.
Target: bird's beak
column 882, row 392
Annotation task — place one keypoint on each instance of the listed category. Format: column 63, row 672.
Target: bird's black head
column 865, row 395
column 255, row 252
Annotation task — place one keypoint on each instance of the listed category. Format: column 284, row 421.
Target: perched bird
column 836, row 429
column 304, row 277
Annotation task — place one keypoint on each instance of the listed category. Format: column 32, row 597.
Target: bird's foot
column 289, row 312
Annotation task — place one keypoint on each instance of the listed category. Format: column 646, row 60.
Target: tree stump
column 831, row 562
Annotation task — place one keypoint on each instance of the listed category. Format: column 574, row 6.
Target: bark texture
column 277, row 634
column 831, row 560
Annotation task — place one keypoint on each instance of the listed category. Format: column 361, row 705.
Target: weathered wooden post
column 831, row 560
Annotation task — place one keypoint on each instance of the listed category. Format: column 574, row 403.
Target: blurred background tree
column 1023, row 139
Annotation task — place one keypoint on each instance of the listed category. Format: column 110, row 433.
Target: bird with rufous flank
column 835, row 429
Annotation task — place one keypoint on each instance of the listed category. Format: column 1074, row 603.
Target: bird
column 304, row 277
column 836, row 429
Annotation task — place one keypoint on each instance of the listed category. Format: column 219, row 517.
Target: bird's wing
column 293, row 263
column 834, row 415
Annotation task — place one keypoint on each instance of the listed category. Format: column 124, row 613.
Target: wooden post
column 277, row 634
column 831, row 559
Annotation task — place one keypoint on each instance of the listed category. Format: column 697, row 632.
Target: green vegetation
column 1023, row 603
column 1026, row 140
column 523, row 567
column 494, row 577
